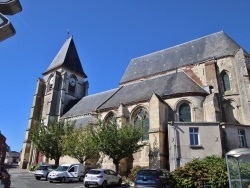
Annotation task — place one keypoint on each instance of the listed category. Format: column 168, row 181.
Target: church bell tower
column 62, row 86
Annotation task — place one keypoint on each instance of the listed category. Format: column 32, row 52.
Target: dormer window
column 72, row 85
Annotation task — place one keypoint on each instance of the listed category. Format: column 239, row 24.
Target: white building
column 12, row 157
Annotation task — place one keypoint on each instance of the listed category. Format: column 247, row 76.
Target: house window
column 194, row 136
column 184, row 113
column 242, row 138
column 141, row 119
column 225, row 81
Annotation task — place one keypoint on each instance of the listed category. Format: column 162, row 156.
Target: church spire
column 68, row 58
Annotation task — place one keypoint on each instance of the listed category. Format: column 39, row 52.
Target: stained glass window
column 141, row 119
column 184, row 113
column 226, row 81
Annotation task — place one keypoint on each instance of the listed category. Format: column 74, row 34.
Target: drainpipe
column 175, row 144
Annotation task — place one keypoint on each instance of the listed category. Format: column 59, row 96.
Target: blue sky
column 107, row 35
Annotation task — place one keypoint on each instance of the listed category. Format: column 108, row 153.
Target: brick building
column 3, row 148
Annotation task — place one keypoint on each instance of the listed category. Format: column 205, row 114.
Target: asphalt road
column 22, row 178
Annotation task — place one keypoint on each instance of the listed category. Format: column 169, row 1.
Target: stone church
column 193, row 100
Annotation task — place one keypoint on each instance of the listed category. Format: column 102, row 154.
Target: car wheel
column 81, row 179
column 63, row 180
column 119, row 182
column 38, row 178
column 104, row 184
column 51, row 181
column 86, row 185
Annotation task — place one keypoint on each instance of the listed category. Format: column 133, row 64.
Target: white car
column 102, row 177
column 67, row 172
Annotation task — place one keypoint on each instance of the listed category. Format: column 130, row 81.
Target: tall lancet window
column 185, row 113
column 110, row 119
column 72, row 85
column 225, row 81
column 50, row 83
column 141, row 119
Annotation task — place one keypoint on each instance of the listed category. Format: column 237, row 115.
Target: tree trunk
column 81, row 160
column 57, row 161
column 116, row 163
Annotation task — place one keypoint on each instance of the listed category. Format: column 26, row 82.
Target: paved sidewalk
column 17, row 170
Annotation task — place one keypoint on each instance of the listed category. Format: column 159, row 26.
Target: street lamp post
column 8, row 7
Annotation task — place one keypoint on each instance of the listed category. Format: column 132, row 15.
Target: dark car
column 152, row 178
column 43, row 171
column 5, row 177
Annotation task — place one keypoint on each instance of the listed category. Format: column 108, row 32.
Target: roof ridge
column 181, row 44
column 67, row 57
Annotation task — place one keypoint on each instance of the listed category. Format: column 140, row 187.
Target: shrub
column 210, row 171
column 134, row 171
column 33, row 168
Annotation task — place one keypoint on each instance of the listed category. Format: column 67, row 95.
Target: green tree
column 117, row 141
column 79, row 144
column 48, row 139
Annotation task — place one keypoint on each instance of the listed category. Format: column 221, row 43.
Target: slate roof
column 89, row 103
column 212, row 46
column 172, row 84
column 67, row 57
column 85, row 120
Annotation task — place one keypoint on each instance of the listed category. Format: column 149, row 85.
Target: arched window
column 72, row 84
column 110, row 119
column 141, row 119
column 225, row 81
column 248, row 72
column 50, row 83
column 184, row 113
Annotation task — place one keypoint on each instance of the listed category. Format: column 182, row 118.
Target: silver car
column 102, row 177
column 43, row 171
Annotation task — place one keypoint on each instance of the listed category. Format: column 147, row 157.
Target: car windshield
column 147, row 173
column 53, row 167
column 62, row 168
column 94, row 172
column 42, row 168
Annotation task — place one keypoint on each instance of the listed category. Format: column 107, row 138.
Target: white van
column 67, row 172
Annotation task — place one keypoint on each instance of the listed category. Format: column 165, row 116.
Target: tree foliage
column 49, row 139
column 79, row 144
column 210, row 171
column 117, row 141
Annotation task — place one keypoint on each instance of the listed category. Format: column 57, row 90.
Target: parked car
column 67, row 172
column 152, row 178
column 43, row 171
column 102, row 177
